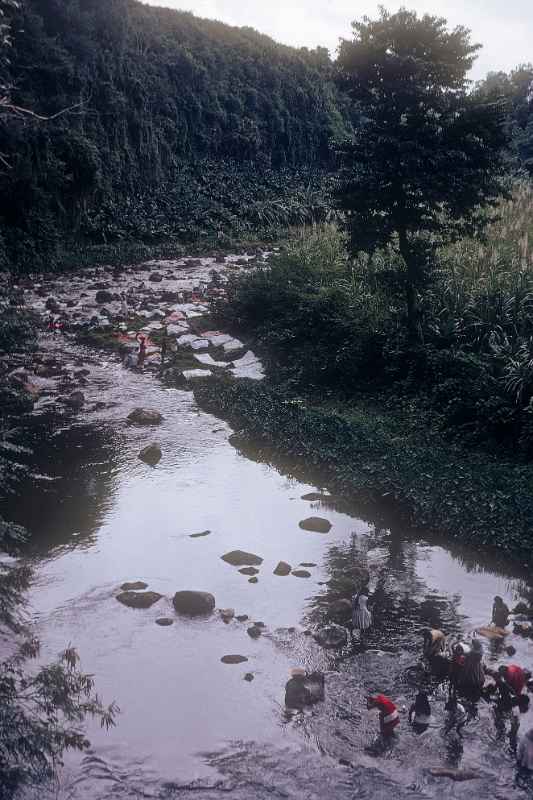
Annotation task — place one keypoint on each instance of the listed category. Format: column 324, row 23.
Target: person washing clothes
column 389, row 718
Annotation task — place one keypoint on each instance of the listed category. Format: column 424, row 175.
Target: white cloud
column 505, row 29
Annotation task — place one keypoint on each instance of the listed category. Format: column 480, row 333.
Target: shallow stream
column 190, row 724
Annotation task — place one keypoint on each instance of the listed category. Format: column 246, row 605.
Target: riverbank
column 473, row 497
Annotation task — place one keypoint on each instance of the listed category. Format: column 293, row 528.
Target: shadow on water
column 67, row 484
column 384, row 517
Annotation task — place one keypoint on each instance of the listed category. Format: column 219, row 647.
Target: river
column 191, row 725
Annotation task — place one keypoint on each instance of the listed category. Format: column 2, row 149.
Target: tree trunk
column 410, row 286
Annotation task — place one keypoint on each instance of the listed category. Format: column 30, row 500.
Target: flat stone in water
column 134, row 586
column 307, row 564
column 138, row 599
column 253, row 580
column 242, row 617
column 240, row 558
column 315, row 524
column 199, row 535
column 301, row 573
column 254, row 632
column 233, row 659
column 145, row 416
column 165, row 622
column 249, row 571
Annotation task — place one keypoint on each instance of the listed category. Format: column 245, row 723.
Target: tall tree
column 426, row 158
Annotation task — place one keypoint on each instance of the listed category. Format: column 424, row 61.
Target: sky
column 503, row 27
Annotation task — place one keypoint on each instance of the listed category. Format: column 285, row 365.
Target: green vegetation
column 129, row 122
column 332, row 324
column 41, row 709
column 427, row 157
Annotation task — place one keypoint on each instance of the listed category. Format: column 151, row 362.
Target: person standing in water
column 361, row 616
column 142, row 350
column 500, row 613
column 164, row 346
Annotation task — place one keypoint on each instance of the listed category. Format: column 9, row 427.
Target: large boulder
column 144, row 416
column 315, row 524
column 151, row 454
column 194, row 604
column 240, row 558
column 304, row 689
column 138, row 599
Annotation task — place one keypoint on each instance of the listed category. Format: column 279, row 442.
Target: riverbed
column 191, row 724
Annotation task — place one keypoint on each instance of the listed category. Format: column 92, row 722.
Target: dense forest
column 168, row 125
column 129, row 123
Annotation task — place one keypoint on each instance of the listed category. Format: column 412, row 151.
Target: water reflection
column 68, row 484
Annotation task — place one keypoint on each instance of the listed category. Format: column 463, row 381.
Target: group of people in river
column 456, row 664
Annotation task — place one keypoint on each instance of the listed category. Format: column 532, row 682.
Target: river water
column 191, row 725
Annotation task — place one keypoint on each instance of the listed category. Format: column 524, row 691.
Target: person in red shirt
column 515, row 677
column 388, row 713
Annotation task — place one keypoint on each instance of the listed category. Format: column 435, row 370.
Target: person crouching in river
column 361, row 616
column 420, row 713
column 433, row 649
column 389, row 718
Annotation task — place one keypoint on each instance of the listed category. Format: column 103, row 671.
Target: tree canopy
column 426, row 156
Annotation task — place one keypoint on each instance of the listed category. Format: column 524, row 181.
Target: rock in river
column 151, row 454
column 253, row 580
column 144, row 416
column 239, row 558
column 165, row 622
column 315, row 524
column 254, row 632
column 194, row 604
column 233, row 659
column 331, row 636
column 103, row 296
column 283, row 569
column 301, row 573
column 134, row 586
column 75, row 400
column 249, row 571
column 199, row 535
column 138, row 599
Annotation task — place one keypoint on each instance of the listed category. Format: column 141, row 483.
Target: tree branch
column 6, row 106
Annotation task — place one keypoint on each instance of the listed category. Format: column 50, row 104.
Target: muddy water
column 99, row 517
